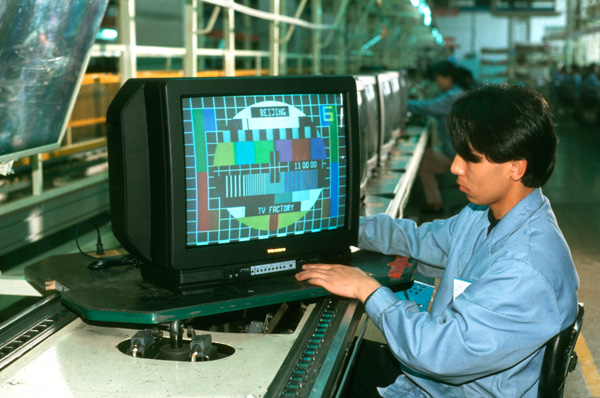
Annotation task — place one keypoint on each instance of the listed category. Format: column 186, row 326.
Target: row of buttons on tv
column 263, row 269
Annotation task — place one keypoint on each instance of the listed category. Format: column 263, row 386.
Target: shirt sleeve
column 438, row 106
column 490, row 327
column 429, row 243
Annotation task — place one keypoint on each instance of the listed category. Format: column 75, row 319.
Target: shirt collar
column 520, row 213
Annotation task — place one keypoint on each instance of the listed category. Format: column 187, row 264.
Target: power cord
column 98, row 262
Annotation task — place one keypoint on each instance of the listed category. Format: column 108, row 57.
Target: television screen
column 225, row 179
column 262, row 167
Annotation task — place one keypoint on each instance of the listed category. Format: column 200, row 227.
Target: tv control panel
column 282, row 267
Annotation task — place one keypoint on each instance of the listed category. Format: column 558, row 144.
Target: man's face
column 484, row 182
column 444, row 83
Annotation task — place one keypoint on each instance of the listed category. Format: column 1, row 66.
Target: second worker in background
column 437, row 160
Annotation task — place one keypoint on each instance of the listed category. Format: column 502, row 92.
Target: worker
column 570, row 90
column 590, row 95
column 464, row 78
column 437, row 160
column 508, row 283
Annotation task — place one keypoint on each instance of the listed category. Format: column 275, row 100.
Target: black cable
column 99, row 247
column 99, row 262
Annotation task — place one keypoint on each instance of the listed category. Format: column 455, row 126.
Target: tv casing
column 403, row 80
column 147, row 184
column 392, row 103
column 369, row 121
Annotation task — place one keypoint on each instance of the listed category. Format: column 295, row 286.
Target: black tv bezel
column 374, row 143
column 364, row 157
column 170, row 249
column 402, row 80
column 388, row 135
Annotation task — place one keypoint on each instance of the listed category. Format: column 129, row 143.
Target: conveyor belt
column 315, row 361
column 29, row 328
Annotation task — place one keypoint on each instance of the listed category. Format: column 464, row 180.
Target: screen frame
column 389, row 133
column 168, row 192
column 374, row 141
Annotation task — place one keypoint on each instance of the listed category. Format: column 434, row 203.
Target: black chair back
column 559, row 359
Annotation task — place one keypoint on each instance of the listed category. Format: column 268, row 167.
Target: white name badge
column 459, row 286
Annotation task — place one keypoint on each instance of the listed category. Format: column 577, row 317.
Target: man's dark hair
column 506, row 123
column 463, row 77
column 443, row 68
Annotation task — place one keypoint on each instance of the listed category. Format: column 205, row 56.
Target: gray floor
column 574, row 191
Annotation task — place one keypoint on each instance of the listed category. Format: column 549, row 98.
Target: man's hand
column 339, row 279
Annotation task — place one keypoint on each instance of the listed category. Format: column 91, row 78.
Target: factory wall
column 474, row 30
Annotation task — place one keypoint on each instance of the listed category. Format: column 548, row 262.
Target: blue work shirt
column 590, row 88
column 439, row 108
column 489, row 340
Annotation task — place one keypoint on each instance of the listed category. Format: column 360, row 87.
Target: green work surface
column 119, row 294
column 385, row 184
column 398, row 161
column 407, row 144
column 374, row 204
column 413, row 130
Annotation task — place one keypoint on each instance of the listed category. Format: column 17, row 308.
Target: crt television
column 362, row 118
column 403, row 85
column 390, row 99
column 218, row 180
column 369, row 119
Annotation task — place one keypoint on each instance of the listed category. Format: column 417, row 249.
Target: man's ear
column 518, row 168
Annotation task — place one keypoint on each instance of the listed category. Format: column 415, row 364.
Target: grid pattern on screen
column 261, row 167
